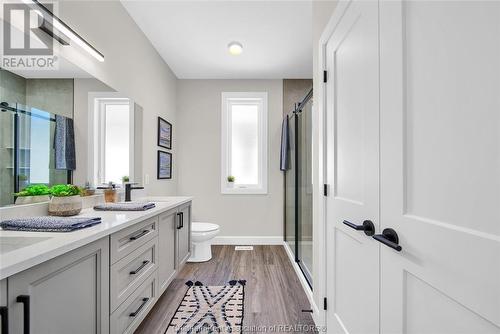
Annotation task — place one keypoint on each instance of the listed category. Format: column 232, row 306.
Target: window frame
column 229, row 99
column 96, row 130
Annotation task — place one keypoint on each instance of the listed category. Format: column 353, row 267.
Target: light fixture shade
column 63, row 28
column 235, row 48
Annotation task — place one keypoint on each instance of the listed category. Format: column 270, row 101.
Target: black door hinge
column 325, row 189
column 325, row 76
column 324, row 304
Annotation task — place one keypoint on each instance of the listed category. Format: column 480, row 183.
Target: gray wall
column 198, row 162
column 132, row 67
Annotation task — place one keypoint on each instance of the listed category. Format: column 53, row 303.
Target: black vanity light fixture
column 52, row 25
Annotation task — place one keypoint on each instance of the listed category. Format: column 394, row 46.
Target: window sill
column 243, row 191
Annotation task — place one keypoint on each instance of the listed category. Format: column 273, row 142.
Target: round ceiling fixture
column 235, row 48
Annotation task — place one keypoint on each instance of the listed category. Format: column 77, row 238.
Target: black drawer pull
column 390, row 238
column 144, row 263
column 182, row 219
column 4, row 314
column 144, row 302
column 26, row 312
column 179, row 221
column 367, row 227
column 140, row 235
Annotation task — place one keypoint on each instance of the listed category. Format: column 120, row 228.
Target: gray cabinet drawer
column 129, row 272
column 126, row 241
column 130, row 313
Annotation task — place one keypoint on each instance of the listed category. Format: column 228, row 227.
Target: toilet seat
column 204, row 227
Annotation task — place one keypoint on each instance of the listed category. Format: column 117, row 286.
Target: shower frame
column 297, row 111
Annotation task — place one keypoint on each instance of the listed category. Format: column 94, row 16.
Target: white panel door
column 440, row 166
column 353, row 169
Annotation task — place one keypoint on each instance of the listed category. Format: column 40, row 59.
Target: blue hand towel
column 64, row 144
column 124, row 206
column 49, row 224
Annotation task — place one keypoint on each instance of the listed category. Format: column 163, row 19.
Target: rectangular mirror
column 64, row 126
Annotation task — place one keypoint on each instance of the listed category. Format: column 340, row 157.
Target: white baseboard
column 305, row 286
column 248, row 240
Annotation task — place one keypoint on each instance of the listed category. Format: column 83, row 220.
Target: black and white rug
column 210, row 309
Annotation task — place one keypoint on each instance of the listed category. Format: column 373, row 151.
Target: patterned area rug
column 210, row 309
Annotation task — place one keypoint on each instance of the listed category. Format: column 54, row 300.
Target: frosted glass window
column 116, row 143
column 244, row 143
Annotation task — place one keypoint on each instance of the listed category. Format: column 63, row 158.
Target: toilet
column 202, row 235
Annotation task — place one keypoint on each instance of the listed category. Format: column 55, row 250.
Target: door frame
column 319, row 213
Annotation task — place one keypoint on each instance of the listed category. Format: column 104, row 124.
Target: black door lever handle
column 367, row 227
column 390, row 238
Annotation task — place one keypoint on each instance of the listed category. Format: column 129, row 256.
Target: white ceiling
column 192, row 37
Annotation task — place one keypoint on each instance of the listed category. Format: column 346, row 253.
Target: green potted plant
column 125, row 179
column 34, row 193
column 66, row 200
column 230, row 181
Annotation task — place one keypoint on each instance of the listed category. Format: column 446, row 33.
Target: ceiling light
column 235, row 48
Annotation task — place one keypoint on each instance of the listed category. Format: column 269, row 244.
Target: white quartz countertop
column 54, row 244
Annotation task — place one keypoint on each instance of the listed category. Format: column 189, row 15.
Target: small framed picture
column 164, row 133
column 164, row 165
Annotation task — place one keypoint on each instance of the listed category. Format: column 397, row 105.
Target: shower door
column 298, row 188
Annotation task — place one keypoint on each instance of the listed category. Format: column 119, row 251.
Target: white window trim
column 229, row 98
column 96, row 133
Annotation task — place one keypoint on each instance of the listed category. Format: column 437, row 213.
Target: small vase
column 65, row 206
column 230, row 184
column 32, row 199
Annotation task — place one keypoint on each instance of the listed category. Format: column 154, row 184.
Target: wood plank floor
column 273, row 294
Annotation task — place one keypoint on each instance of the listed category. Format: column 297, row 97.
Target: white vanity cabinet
column 183, row 235
column 68, row 294
column 167, row 230
column 105, row 286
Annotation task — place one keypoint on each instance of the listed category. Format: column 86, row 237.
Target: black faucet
column 128, row 190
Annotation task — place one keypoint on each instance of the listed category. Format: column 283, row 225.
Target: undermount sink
column 9, row 244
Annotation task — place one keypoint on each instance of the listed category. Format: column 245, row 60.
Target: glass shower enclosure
column 26, row 150
column 298, row 187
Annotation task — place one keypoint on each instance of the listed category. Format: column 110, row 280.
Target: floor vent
column 243, row 248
